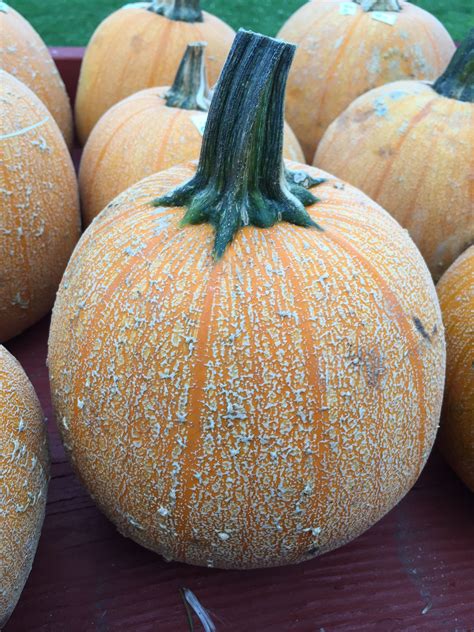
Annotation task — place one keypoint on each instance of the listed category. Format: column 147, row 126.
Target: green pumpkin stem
column 241, row 179
column 457, row 81
column 380, row 5
column 179, row 10
column 190, row 90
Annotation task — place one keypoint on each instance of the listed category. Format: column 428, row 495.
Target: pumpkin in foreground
column 409, row 146
column 118, row 153
column 39, row 213
column 456, row 296
column 24, row 475
column 26, row 57
column 141, row 46
column 345, row 50
column 235, row 390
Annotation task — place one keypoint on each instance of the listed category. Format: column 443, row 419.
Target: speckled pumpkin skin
column 339, row 57
column 259, row 410
column 24, row 475
column 134, row 49
column 25, row 56
column 456, row 296
column 118, row 153
column 410, row 150
column 39, row 211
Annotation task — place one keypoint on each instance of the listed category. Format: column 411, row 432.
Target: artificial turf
column 72, row 22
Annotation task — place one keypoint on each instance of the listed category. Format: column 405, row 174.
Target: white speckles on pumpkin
column 26, row 56
column 39, row 215
column 340, row 57
column 282, row 397
column 24, row 472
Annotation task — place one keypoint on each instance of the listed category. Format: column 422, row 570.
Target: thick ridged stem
column 379, row 5
column 190, row 90
column 457, row 81
column 179, row 10
column 241, row 179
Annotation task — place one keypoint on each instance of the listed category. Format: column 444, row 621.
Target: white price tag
column 348, row 8
column 199, row 121
column 137, row 5
column 387, row 17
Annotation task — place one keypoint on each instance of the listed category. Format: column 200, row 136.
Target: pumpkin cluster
column 247, row 355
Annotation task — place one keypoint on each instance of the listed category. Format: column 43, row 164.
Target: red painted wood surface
column 413, row 571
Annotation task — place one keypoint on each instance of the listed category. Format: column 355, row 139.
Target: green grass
column 72, row 22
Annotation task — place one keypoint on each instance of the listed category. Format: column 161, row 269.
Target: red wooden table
column 413, row 571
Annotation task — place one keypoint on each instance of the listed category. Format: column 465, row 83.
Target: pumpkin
column 408, row 145
column 140, row 46
column 24, row 475
column 117, row 154
column 345, row 50
column 241, row 380
column 39, row 214
column 25, row 55
column 456, row 297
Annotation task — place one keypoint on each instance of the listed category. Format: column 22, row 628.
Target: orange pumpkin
column 235, row 390
column 39, row 214
column 25, row 55
column 456, row 296
column 140, row 46
column 345, row 50
column 24, row 475
column 117, row 154
column 408, row 145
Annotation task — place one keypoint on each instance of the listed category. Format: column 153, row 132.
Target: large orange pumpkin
column 24, row 475
column 345, row 49
column 456, row 296
column 140, row 46
column 25, row 56
column 39, row 214
column 409, row 146
column 119, row 154
column 235, row 390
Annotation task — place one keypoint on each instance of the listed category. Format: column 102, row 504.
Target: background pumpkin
column 242, row 397
column 408, row 145
column 140, row 47
column 25, row 55
column 39, row 214
column 24, row 475
column 342, row 55
column 118, row 154
column 456, row 296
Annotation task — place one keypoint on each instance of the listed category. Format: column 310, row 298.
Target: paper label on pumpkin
column 137, row 5
column 384, row 16
column 199, row 121
column 348, row 8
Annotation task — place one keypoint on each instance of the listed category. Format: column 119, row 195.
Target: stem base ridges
column 241, row 179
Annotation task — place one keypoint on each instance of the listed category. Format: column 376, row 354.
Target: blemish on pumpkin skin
column 385, row 151
column 420, row 328
column 380, row 107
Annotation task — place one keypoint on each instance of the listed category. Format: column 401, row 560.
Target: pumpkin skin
column 339, row 57
column 39, row 215
column 410, row 150
column 26, row 57
column 118, row 154
column 134, row 49
column 259, row 410
column 24, row 476
column 456, row 436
